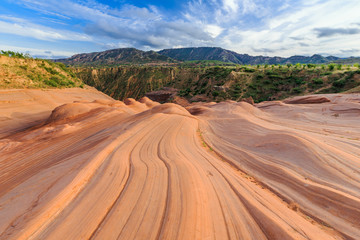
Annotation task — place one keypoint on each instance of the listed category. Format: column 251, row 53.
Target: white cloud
column 248, row 6
column 293, row 32
column 21, row 27
column 271, row 27
column 230, row 6
column 36, row 52
column 213, row 30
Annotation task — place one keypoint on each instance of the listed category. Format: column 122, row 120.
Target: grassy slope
column 35, row 73
column 220, row 83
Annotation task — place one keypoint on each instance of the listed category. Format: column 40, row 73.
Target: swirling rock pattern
column 141, row 170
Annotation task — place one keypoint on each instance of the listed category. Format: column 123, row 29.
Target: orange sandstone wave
column 104, row 169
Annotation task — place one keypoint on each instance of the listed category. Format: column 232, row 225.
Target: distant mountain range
column 134, row 56
column 215, row 53
column 117, row 57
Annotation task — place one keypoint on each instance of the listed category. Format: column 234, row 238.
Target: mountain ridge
column 116, row 56
column 231, row 56
column 123, row 56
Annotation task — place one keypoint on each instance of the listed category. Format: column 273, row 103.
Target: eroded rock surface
column 106, row 169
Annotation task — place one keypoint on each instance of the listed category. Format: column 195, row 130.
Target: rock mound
column 69, row 110
column 170, row 108
column 148, row 102
column 248, row 100
column 181, row 101
column 198, row 110
column 307, row 100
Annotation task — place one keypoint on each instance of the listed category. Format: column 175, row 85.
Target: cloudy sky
column 61, row 28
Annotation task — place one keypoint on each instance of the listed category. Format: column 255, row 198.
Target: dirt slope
column 107, row 169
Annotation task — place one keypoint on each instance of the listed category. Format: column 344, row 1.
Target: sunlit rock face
column 79, row 165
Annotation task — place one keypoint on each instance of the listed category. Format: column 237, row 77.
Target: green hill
column 21, row 71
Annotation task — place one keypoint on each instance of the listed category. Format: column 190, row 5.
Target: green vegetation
column 331, row 66
column 205, row 63
column 14, row 54
column 19, row 70
column 217, row 83
column 211, row 80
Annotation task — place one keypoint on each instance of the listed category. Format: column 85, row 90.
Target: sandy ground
column 106, row 169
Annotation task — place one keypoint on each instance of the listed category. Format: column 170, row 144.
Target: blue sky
column 61, row 28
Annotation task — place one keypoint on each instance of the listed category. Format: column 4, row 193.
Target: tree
column 331, row 66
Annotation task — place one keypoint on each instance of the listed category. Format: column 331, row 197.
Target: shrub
column 297, row 80
column 252, row 86
column 62, row 66
column 24, row 67
column 202, row 91
column 275, row 76
column 339, row 83
column 71, row 83
column 15, row 54
column 50, row 83
column 51, row 70
column 310, row 65
column 55, row 79
column 259, row 76
column 297, row 90
column 215, row 93
column 326, row 73
column 249, row 70
column 331, row 66
column 184, row 92
column 318, row 81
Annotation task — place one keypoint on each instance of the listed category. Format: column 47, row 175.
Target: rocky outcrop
column 248, row 100
column 163, row 95
column 181, row 101
column 200, row 98
column 312, row 99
